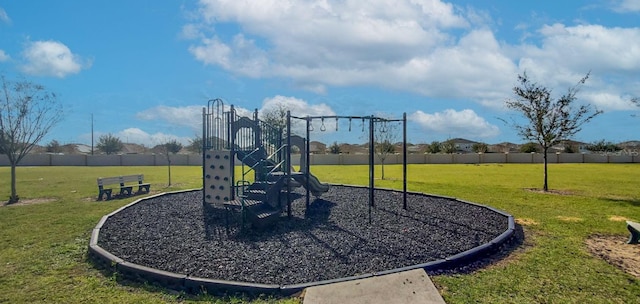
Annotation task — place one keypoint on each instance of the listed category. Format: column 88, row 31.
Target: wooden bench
column 634, row 228
column 125, row 190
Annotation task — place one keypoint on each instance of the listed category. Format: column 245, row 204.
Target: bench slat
column 108, row 180
column 132, row 178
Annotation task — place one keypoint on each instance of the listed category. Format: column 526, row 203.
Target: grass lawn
column 43, row 244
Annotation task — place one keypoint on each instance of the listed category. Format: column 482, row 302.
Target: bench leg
column 126, row 190
column 635, row 235
column 103, row 192
column 143, row 189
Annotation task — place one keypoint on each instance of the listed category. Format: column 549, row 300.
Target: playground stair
column 260, row 201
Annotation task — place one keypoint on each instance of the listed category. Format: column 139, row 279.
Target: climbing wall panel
column 217, row 176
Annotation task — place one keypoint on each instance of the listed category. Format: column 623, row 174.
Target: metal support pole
column 404, row 160
column 257, row 133
column 232, row 148
column 307, row 162
column 204, row 152
column 288, row 163
column 371, row 165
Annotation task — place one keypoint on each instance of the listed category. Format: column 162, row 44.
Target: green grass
column 43, row 246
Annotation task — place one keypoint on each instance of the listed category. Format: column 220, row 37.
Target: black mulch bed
column 330, row 240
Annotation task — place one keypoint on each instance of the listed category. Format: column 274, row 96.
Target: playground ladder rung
column 247, row 203
column 264, row 211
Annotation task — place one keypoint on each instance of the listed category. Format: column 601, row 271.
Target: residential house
column 463, row 145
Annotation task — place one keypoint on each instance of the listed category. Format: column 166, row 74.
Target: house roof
column 462, row 141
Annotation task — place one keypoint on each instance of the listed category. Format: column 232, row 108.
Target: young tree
column 548, row 121
column 171, row 147
column 28, row 111
column 109, row 144
column 385, row 134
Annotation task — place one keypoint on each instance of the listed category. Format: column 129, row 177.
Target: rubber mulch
column 331, row 239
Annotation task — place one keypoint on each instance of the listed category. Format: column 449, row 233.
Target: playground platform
column 412, row 286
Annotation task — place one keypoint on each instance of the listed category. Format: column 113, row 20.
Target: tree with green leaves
column 603, row 146
column 53, row 147
column 480, row 148
column 195, row 145
column 109, row 144
column 569, row 149
column 28, row 111
column 529, row 147
column 548, row 121
column 334, row 148
column 434, row 147
column 448, row 147
column 276, row 116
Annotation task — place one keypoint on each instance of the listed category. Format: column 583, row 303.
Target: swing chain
column 323, row 127
column 384, row 127
column 336, row 124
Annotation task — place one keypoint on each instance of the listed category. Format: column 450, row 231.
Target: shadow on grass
column 632, row 201
column 163, row 292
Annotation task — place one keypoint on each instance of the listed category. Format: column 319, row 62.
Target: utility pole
column 91, row 133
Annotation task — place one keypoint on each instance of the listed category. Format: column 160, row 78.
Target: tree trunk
column 169, row 165
column 546, row 176
column 382, row 175
column 14, row 193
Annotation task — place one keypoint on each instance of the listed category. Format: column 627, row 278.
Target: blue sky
column 145, row 69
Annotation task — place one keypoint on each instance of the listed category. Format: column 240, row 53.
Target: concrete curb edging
column 184, row 282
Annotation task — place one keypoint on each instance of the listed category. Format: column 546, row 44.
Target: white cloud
column 51, row 58
column 451, row 123
column 190, row 31
column 188, row 116
column 138, row 136
column 567, row 53
column 585, row 47
column 298, row 107
column 242, row 56
column 610, row 101
column 191, row 116
column 4, row 17
column 427, row 47
column 401, row 45
column 4, row 56
column 626, row 6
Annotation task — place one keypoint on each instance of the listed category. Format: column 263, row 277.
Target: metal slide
column 315, row 186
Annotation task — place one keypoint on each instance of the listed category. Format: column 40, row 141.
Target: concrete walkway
column 412, row 286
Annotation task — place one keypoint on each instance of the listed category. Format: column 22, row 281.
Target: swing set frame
column 372, row 119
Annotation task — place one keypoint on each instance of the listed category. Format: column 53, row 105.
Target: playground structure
column 264, row 152
column 147, row 240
